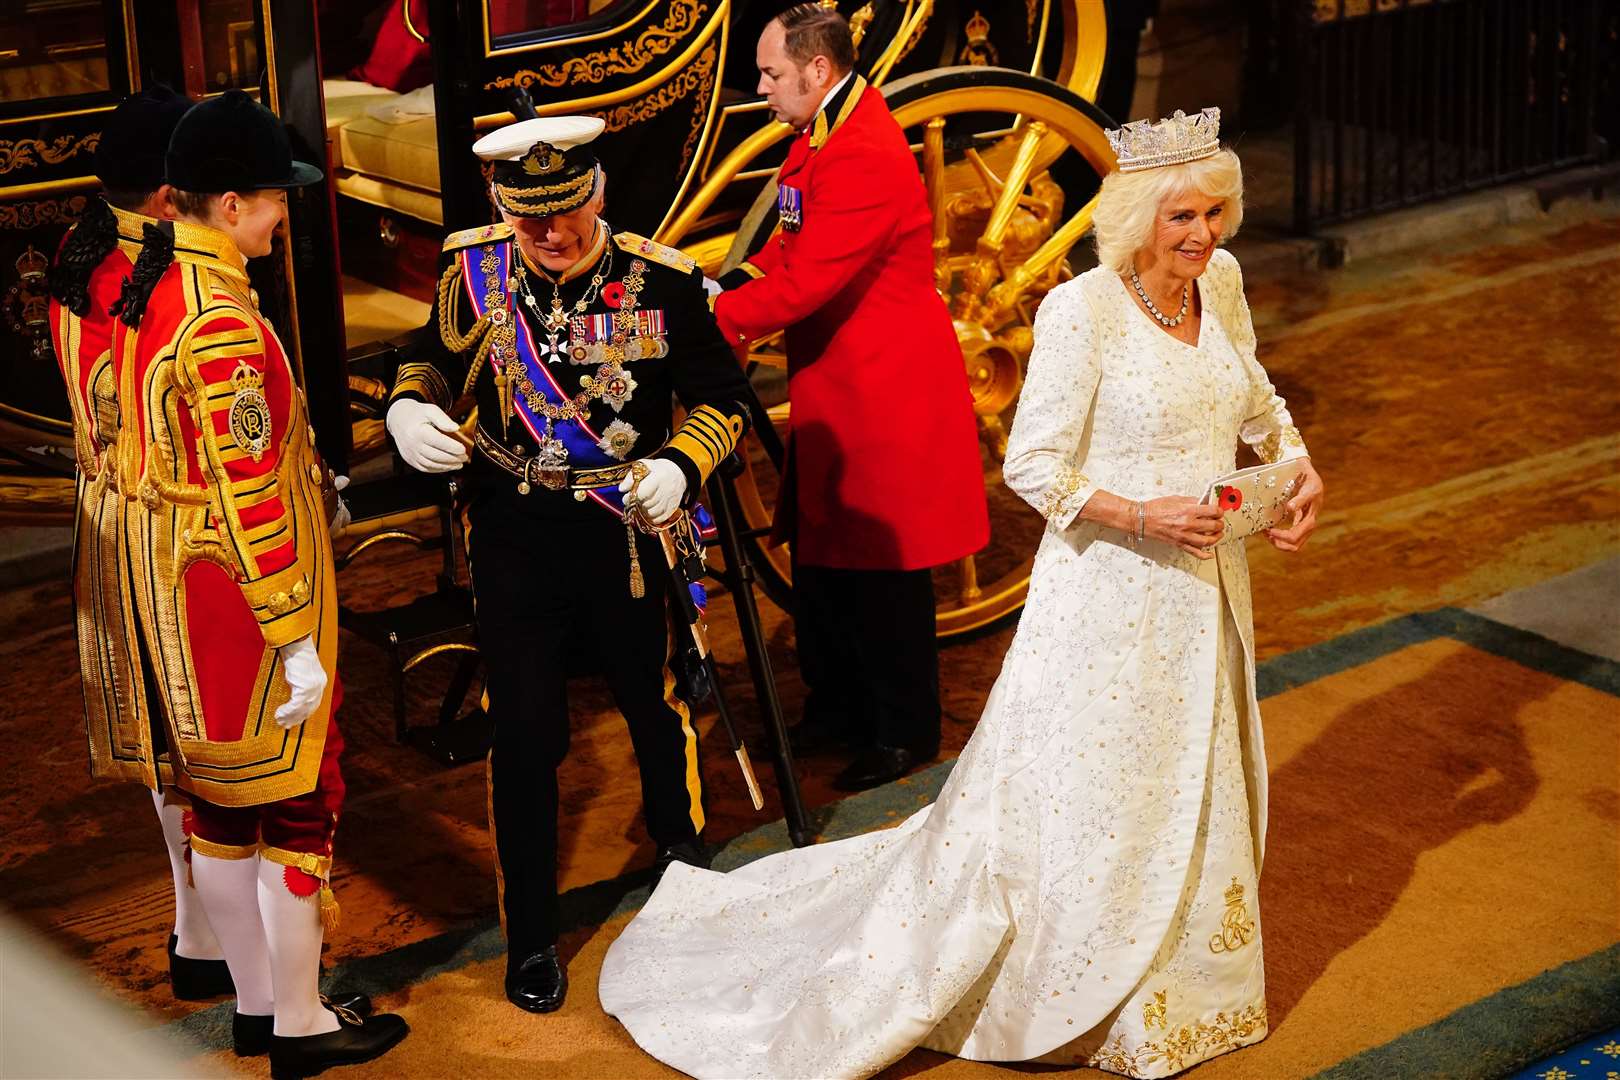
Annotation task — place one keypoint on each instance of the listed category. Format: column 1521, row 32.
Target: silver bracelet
column 1141, row 522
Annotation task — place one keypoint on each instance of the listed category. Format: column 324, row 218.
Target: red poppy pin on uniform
column 1229, row 498
column 613, row 294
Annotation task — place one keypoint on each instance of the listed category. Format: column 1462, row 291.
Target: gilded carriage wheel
column 1005, row 157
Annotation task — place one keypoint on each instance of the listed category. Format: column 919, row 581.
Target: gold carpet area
column 1444, row 785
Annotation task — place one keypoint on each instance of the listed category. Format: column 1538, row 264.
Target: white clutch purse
column 1255, row 499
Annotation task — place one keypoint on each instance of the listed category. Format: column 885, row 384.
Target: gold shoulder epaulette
column 481, row 235
column 658, row 253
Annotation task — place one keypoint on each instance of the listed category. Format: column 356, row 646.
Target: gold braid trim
column 449, row 304
column 316, row 866
column 477, row 365
column 233, row 852
column 569, row 195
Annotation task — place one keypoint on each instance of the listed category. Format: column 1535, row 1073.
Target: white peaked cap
column 513, row 141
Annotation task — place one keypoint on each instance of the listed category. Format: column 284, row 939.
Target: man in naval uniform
column 546, row 371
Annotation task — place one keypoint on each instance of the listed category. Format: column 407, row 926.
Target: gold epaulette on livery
column 658, row 253
column 483, row 234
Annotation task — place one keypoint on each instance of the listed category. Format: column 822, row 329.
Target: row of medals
column 611, row 383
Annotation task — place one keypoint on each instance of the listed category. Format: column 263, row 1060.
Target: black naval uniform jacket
column 649, row 312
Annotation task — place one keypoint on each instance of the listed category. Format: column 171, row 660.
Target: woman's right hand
column 1190, row 525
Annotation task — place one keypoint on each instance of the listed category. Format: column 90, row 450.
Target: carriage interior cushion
column 399, row 61
column 384, row 147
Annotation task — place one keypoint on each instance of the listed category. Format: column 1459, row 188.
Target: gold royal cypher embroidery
column 250, row 412
column 1237, row 929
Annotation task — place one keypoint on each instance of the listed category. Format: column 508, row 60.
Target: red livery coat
column 884, row 470
column 232, row 558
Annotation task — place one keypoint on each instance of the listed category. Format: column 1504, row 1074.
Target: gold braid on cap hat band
column 552, row 199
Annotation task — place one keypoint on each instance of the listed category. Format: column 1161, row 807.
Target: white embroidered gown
column 1084, row 889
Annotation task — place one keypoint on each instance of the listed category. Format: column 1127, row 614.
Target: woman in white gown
column 1084, row 889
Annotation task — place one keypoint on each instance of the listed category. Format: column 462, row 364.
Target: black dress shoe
column 877, row 765
column 692, row 854
column 538, row 984
column 296, row 1056
column 250, row 1035
column 197, row 980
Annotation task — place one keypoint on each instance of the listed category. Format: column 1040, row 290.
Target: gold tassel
column 638, row 584
column 331, row 913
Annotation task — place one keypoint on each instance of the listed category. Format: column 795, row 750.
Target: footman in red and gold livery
column 883, row 479
column 233, row 573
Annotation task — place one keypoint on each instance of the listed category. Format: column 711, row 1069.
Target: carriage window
column 510, row 17
column 52, row 48
column 230, row 45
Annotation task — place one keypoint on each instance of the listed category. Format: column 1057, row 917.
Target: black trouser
column 868, row 654
column 551, row 592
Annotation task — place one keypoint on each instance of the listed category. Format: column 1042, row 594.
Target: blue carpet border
column 1485, row 1040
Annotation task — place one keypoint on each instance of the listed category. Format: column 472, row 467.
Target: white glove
column 659, row 495
column 341, row 516
column 424, row 436
column 711, row 286
column 301, row 663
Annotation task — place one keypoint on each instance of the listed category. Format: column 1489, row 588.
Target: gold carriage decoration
column 1010, row 156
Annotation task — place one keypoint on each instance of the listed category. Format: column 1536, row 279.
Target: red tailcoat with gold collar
column 233, row 558
column 884, row 469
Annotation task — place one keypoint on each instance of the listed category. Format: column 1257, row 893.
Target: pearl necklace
column 1186, row 300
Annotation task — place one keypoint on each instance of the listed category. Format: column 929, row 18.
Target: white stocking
column 229, row 891
column 293, row 926
column 196, row 939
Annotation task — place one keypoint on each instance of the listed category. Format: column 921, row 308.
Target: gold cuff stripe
column 751, row 270
column 424, row 379
column 234, row 852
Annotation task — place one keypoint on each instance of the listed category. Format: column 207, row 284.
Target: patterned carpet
column 1442, row 895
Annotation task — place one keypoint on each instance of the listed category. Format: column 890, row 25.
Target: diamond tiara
column 1176, row 139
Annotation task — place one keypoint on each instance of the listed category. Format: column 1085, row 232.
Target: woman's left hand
column 1305, row 506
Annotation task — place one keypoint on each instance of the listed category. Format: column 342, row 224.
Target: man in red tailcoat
column 883, row 479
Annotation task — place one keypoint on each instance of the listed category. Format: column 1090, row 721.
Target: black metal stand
column 738, row 579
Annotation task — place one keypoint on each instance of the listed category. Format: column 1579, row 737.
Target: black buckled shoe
column 295, row 1056
column 877, row 765
column 250, row 1035
column 338, row 1000
column 538, row 984
column 197, row 980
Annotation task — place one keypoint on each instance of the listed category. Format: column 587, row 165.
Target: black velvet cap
column 232, row 143
column 129, row 156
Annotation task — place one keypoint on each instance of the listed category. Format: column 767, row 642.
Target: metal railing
column 1404, row 101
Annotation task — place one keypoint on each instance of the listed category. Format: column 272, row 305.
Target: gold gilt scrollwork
column 32, row 215
column 595, row 67
column 698, row 76
column 25, row 152
column 858, row 23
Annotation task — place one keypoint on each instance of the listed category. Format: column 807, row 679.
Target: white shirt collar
column 837, row 86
